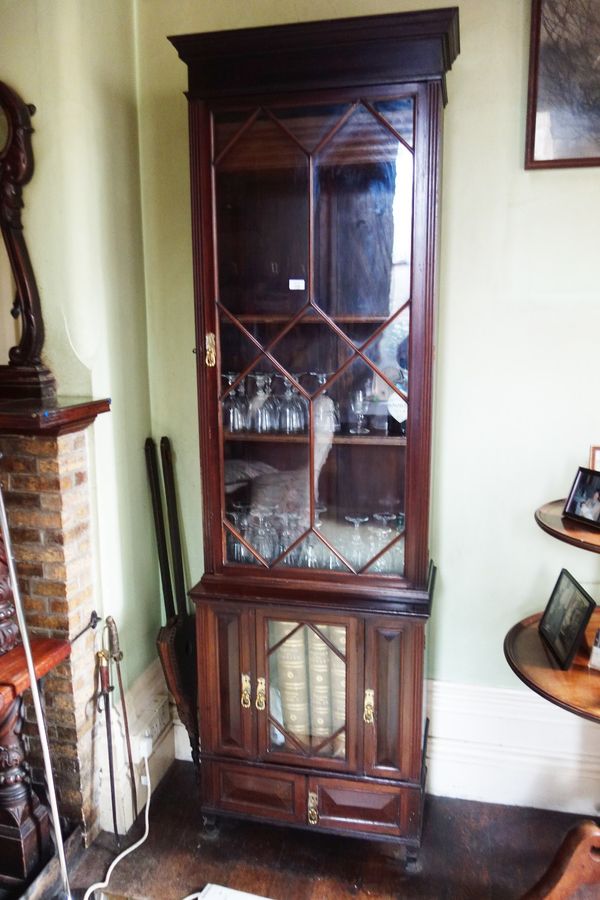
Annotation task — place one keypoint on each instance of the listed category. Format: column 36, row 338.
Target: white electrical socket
column 142, row 748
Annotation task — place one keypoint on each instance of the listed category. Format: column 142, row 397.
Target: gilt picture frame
column 563, row 107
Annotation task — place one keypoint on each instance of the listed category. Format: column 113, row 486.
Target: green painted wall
column 109, row 229
column 74, row 59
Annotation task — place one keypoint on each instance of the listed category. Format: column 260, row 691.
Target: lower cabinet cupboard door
column 255, row 792
column 355, row 806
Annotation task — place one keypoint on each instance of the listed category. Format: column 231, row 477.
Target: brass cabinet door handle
column 245, row 698
column 369, row 707
column 313, row 808
column 211, row 350
column 261, row 694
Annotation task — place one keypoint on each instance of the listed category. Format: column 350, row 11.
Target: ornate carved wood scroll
column 9, row 630
column 25, row 376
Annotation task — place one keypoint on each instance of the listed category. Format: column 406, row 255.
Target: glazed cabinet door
column 393, row 699
column 316, row 292
column 306, row 699
column 225, row 680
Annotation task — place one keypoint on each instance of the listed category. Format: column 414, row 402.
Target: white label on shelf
column 297, row 284
column 398, row 408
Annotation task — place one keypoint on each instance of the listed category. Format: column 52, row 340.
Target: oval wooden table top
column 576, row 689
column 549, row 518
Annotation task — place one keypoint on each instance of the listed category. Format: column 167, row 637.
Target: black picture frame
column 563, row 104
column 565, row 618
column 583, row 503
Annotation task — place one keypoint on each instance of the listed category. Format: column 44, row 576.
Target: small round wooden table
column 577, row 689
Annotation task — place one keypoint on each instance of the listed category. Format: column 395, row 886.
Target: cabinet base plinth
column 353, row 806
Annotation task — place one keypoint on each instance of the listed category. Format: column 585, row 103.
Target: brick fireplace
column 44, row 470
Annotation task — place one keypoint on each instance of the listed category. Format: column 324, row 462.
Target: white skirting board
column 511, row 747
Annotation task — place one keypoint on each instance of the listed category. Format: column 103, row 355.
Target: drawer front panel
column 356, row 806
column 273, row 795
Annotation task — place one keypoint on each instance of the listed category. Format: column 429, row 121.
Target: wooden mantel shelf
column 14, row 676
column 51, row 416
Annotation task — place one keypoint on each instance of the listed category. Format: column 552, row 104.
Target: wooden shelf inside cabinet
column 550, row 519
column 275, row 319
column 347, row 439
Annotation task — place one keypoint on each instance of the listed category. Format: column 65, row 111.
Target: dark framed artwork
column 565, row 618
column 583, row 503
column 563, row 109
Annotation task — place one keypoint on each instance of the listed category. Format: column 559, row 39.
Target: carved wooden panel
column 261, row 792
column 378, row 808
column 394, row 673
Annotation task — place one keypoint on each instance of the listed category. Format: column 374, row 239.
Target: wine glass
column 261, row 414
column 377, row 541
column 291, row 413
column 327, row 410
column 271, row 403
column 357, row 550
column 359, row 401
column 301, row 400
column 240, row 520
column 262, row 535
column 233, row 411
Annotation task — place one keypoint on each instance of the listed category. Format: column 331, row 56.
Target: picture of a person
column 590, row 508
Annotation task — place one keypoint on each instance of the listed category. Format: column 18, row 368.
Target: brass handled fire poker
column 116, row 655
column 103, row 660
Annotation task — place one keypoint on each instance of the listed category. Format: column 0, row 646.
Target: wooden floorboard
column 471, row 851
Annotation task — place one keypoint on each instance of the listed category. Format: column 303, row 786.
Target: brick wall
column 47, row 499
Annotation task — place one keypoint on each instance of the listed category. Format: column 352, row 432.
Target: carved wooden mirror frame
column 25, row 376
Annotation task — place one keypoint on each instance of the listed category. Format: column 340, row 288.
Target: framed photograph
column 583, row 502
column 595, row 458
column 563, row 108
column 565, row 618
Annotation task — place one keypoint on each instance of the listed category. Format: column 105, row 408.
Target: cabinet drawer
column 358, row 806
column 265, row 793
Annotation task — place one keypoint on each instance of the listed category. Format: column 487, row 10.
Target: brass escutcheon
column 313, row 808
column 211, row 350
column 369, row 707
column 261, row 693
column 246, row 691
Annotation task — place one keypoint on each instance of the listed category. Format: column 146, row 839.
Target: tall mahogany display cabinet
column 315, row 154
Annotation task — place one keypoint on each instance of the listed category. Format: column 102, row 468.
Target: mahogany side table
column 577, row 862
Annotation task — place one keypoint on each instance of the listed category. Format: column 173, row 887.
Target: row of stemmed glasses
column 360, row 551
column 270, row 532
column 286, row 413
column 264, row 412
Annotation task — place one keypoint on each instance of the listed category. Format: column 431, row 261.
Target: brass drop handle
column 313, row 808
column 369, row 707
column 245, row 698
column 261, row 694
column 211, row 350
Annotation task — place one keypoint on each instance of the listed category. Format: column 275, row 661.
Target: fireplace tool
column 116, row 655
column 175, row 640
column 37, row 703
column 103, row 660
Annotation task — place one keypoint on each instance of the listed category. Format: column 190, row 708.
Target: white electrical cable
column 103, row 884
column 35, row 695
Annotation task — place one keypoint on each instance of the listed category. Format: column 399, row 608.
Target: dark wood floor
column 470, row 850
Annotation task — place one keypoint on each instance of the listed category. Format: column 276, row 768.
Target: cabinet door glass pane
column 364, row 220
column 314, row 212
column 307, row 689
column 262, row 182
